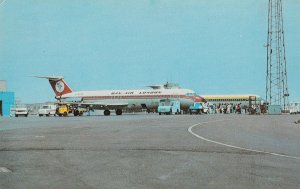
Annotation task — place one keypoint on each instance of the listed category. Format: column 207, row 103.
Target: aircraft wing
column 98, row 106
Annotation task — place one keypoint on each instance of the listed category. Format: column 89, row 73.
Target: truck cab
column 168, row 107
column 47, row 110
column 196, row 108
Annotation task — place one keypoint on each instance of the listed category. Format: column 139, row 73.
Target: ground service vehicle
column 167, row 106
column 63, row 109
column 196, row 108
column 47, row 110
column 21, row 112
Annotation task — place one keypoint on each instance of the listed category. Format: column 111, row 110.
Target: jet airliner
column 118, row 100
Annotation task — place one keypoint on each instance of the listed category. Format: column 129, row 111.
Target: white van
column 47, row 110
column 21, row 112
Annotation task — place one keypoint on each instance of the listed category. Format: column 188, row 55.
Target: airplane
column 118, row 100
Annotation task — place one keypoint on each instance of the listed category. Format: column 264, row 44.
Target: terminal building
column 242, row 99
column 7, row 99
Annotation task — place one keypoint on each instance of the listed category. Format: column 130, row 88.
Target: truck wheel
column 26, row 115
column 76, row 112
column 159, row 113
column 16, row 115
column 65, row 114
column 59, row 115
column 47, row 115
column 40, row 115
column 106, row 112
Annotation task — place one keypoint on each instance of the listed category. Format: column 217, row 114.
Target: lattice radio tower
column 276, row 78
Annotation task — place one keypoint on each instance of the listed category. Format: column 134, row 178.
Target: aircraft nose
column 197, row 99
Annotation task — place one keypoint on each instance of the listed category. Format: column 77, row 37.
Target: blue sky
column 212, row 47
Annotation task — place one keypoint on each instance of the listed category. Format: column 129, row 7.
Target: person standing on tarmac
column 238, row 109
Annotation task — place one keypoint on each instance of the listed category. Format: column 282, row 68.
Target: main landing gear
column 118, row 112
column 77, row 113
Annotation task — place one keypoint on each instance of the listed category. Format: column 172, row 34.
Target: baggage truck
column 196, row 108
column 168, row 107
column 66, row 108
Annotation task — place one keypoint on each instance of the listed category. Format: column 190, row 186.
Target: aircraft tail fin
column 58, row 84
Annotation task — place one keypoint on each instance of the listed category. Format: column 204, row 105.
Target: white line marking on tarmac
column 190, row 130
column 39, row 136
column 4, row 170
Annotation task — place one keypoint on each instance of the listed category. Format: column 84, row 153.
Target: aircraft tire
column 106, row 112
column 119, row 112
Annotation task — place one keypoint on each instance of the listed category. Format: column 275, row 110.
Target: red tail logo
column 59, row 87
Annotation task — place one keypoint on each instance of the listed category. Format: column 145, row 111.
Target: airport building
column 7, row 99
column 233, row 99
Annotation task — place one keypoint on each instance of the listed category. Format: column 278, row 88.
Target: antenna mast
column 276, row 77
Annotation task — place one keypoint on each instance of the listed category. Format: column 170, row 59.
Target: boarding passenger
column 228, row 108
column 258, row 109
column 238, row 109
column 245, row 108
column 224, row 108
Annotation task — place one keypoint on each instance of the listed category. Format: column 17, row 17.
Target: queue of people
column 233, row 109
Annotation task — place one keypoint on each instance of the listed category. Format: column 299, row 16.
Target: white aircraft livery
column 118, row 100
